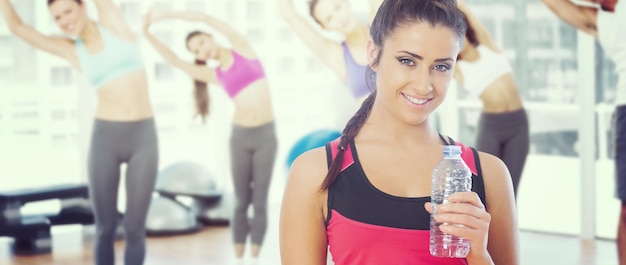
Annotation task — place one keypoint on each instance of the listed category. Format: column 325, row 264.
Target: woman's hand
column 154, row 15
column 151, row 17
column 466, row 209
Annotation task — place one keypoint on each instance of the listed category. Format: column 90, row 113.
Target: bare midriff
column 253, row 105
column 501, row 96
column 125, row 98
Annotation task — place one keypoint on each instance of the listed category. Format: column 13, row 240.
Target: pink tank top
column 240, row 74
column 366, row 226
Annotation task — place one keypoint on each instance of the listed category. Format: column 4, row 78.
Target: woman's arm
column 580, row 17
column 374, row 5
column 302, row 228
column 479, row 28
column 237, row 39
column 503, row 244
column 58, row 46
column 111, row 17
column 327, row 50
column 197, row 72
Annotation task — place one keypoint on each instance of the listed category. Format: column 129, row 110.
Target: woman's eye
column 406, row 61
column 442, row 67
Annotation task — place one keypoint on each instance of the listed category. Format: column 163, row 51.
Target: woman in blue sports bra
column 347, row 59
column 106, row 52
column 253, row 141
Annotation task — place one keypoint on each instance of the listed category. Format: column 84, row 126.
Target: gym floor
column 212, row 246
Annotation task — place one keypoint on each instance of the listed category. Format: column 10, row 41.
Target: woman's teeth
column 415, row 100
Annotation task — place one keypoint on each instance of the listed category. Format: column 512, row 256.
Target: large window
column 546, row 70
column 543, row 64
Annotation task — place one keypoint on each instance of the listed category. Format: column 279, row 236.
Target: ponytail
column 201, row 96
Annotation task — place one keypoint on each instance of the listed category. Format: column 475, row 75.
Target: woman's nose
column 421, row 82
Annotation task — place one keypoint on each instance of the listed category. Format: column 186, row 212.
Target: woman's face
column 334, row 15
column 203, row 47
column 69, row 15
column 414, row 70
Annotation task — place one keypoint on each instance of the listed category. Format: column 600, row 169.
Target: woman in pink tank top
column 390, row 145
column 253, row 141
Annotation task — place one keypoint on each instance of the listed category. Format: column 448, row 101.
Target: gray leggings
column 506, row 136
column 253, row 151
column 619, row 141
column 114, row 143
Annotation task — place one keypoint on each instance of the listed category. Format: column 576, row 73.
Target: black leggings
column 114, row 143
column 253, row 152
column 506, row 135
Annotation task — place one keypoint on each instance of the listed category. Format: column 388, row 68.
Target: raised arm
column 111, row 17
column 237, row 39
column 322, row 47
column 197, row 72
column 302, row 228
column 503, row 244
column 479, row 28
column 374, row 5
column 58, row 46
column 581, row 17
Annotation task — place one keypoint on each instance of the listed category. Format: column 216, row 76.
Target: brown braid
column 352, row 129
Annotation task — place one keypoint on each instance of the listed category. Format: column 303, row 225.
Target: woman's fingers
column 464, row 216
column 466, row 197
column 429, row 207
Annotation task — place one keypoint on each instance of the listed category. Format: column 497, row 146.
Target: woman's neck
column 380, row 126
column 223, row 55
column 90, row 32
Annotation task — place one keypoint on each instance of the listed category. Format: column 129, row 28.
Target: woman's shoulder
column 494, row 172
column 244, row 50
column 490, row 162
column 309, row 169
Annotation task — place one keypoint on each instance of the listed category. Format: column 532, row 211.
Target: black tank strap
column 443, row 139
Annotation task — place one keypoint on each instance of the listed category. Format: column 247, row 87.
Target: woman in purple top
column 347, row 59
column 253, row 141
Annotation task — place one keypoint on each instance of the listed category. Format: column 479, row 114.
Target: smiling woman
column 376, row 178
column 67, row 16
column 106, row 52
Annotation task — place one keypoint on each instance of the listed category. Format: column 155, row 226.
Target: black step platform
column 31, row 233
column 39, row 194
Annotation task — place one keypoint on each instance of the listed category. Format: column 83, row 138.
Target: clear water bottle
column 449, row 176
